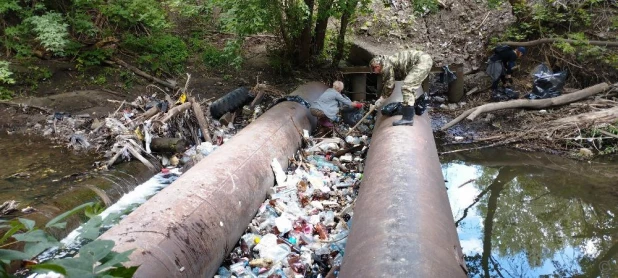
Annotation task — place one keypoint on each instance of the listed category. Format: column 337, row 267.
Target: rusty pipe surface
column 188, row 228
column 402, row 224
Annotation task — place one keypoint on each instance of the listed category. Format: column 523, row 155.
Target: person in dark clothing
column 501, row 65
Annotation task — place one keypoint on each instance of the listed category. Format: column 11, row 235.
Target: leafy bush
column 161, row 53
column 95, row 259
column 51, row 31
column 5, row 79
column 230, row 56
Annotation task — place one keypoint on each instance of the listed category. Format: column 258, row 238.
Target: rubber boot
column 408, row 116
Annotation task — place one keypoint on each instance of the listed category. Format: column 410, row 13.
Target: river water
column 519, row 214
column 534, row 215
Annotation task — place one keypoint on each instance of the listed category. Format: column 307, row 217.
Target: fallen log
column 546, row 40
column 175, row 111
column 201, row 120
column 168, row 145
column 472, row 113
column 141, row 73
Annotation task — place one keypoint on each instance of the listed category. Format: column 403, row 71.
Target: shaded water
column 32, row 170
column 53, row 179
column 534, row 215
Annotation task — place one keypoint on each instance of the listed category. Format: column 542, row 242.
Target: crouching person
column 411, row 67
column 327, row 106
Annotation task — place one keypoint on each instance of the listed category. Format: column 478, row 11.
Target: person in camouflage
column 411, row 66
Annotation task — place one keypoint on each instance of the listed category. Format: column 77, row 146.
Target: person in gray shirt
column 327, row 106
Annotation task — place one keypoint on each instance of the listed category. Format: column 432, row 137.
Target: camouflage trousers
column 411, row 87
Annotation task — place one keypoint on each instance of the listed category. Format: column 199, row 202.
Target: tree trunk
column 321, row 24
column 305, row 38
column 505, row 175
column 345, row 20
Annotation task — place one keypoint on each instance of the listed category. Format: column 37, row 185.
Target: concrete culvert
column 230, row 102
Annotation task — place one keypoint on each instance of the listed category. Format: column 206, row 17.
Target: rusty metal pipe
column 189, row 227
column 402, row 224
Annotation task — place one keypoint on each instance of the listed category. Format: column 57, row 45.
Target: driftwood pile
column 594, row 107
column 157, row 123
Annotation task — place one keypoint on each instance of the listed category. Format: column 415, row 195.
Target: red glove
column 358, row 105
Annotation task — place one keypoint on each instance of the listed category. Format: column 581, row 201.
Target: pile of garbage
column 302, row 228
column 158, row 129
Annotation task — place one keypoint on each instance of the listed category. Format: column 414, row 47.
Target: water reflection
column 534, row 215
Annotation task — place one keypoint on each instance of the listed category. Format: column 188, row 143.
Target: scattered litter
column 301, row 229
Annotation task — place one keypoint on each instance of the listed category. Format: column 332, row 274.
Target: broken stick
column 175, row 111
column 201, row 120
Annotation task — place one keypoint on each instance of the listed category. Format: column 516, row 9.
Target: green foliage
column 601, row 142
column 93, row 57
column 160, row 53
column 5, row 79
column 95, row 259
column 51, row 31
column 133, row 13
column 246, row 17
column 230, row 56
column 128, row 78
column 423, row 7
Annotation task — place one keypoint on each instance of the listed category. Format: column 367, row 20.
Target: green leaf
column 10, row 255
column 76, row 267
column 28, row 224
column 117, row 259
column 32, row 236
column 60, row 225
column 47, row 267
column 91, row 229
column 33, row 249
column 60, row 217
column 123, row 271
column 16, row 227
column 96, row 250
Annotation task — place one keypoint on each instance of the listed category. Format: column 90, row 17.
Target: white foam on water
column 139, row 195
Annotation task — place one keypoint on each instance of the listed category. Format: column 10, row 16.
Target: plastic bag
column 447, row 76
column 392, row 109
column 351, row 115
column 547, row 84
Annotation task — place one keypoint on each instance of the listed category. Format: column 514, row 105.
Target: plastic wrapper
column 447, row 76
column 547, row 84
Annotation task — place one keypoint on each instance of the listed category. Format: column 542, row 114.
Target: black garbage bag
column 547, row 84
column 351, row 115
column 504, row 94
column 392, row 109
column 447, row 76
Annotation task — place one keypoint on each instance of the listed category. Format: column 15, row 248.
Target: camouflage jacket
column 397, row 67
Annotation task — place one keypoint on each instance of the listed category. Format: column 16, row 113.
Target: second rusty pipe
column 402, row 224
